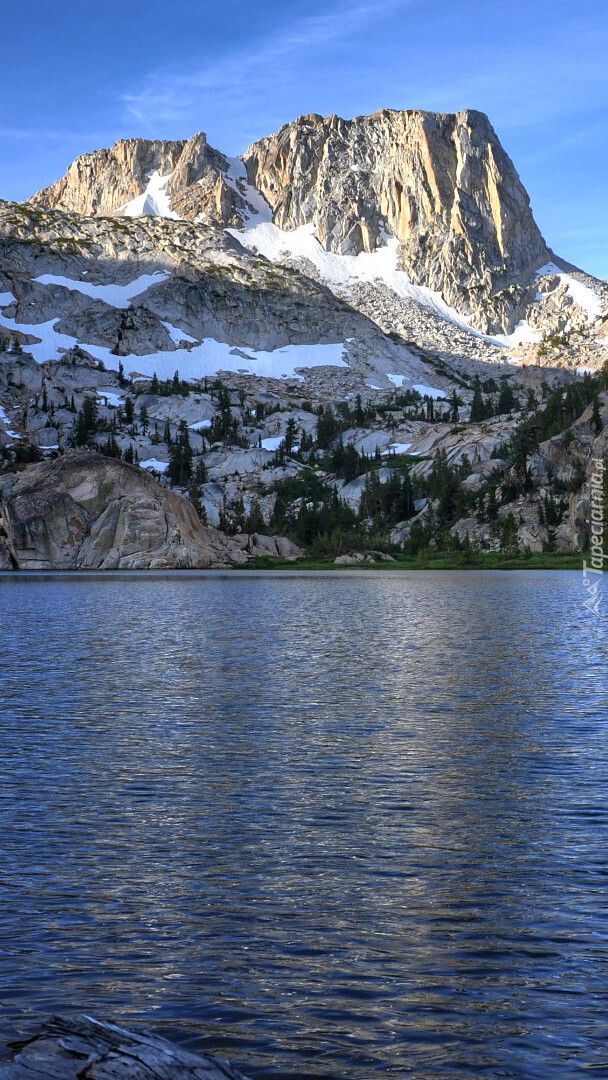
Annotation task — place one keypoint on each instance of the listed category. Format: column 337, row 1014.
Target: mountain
column 440, row 184
column 346, row 292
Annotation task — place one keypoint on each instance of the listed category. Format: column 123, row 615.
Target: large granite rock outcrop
column 86, row 511
column 440, row 182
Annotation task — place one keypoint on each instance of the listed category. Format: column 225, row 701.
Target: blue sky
column 80, row 74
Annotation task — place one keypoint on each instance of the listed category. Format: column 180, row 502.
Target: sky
column 78, row 75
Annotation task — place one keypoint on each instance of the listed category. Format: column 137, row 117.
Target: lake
column 324, row 825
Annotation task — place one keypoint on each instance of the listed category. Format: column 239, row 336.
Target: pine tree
column 509, row 543
column 454, row 404
column 180, row 459
column 291, row 433
column 327, row 428
column 254, row 522
column 352, row 465
column 596, row 418
column 359, row 414
column 491, row 507
column 111, row 447
column 506, row 398
column 86, row 422
column 477, row 405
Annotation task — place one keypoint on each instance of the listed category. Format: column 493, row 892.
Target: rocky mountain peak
column 101, row 182
column 440, row 183
column 179, row 179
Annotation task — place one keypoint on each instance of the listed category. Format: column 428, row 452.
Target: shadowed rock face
column 439, row 182
column 86, row 511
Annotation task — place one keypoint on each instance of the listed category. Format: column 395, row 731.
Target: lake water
column 325, row 825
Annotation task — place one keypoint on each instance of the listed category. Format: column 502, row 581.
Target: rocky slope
column 164, row 294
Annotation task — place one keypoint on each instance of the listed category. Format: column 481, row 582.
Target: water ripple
column 326, row 826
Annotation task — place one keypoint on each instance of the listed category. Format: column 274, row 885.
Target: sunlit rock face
column 179, row 179
column 86, row 511
column 441, row 183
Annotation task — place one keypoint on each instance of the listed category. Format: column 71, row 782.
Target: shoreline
column 286, row 568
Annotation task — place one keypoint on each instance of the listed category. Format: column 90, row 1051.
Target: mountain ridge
column 439, row 183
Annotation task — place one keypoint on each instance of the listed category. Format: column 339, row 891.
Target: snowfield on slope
column 153, row 200
column 381, row 265
column 582, row 295
column 207, row 358
column 117, row 296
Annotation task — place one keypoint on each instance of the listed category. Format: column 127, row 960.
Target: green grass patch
column 537, row 560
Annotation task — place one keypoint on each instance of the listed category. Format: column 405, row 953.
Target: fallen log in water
column 87, row 1049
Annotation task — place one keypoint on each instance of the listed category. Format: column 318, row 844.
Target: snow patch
column 5, row 420
column 259, row 211
column 50, row 345
column 272, row 443
column 7, row 298
column 207, row 358
column 177, row 335
column 153, row 200
column 523, row 334
column 399, row 447
column 584, row 296
column 402, row 383
column 112, row 399
column 154, row 463
column 548, row 268
column 117, row 296
column 431, row 391
column 201, row 425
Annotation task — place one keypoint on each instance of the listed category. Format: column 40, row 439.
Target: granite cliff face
column 85, row 511
column 180, row 179
column 440, row 183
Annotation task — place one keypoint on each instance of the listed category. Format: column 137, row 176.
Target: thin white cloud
column 169, row 95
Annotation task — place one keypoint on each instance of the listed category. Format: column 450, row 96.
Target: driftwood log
column 87, row 1049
